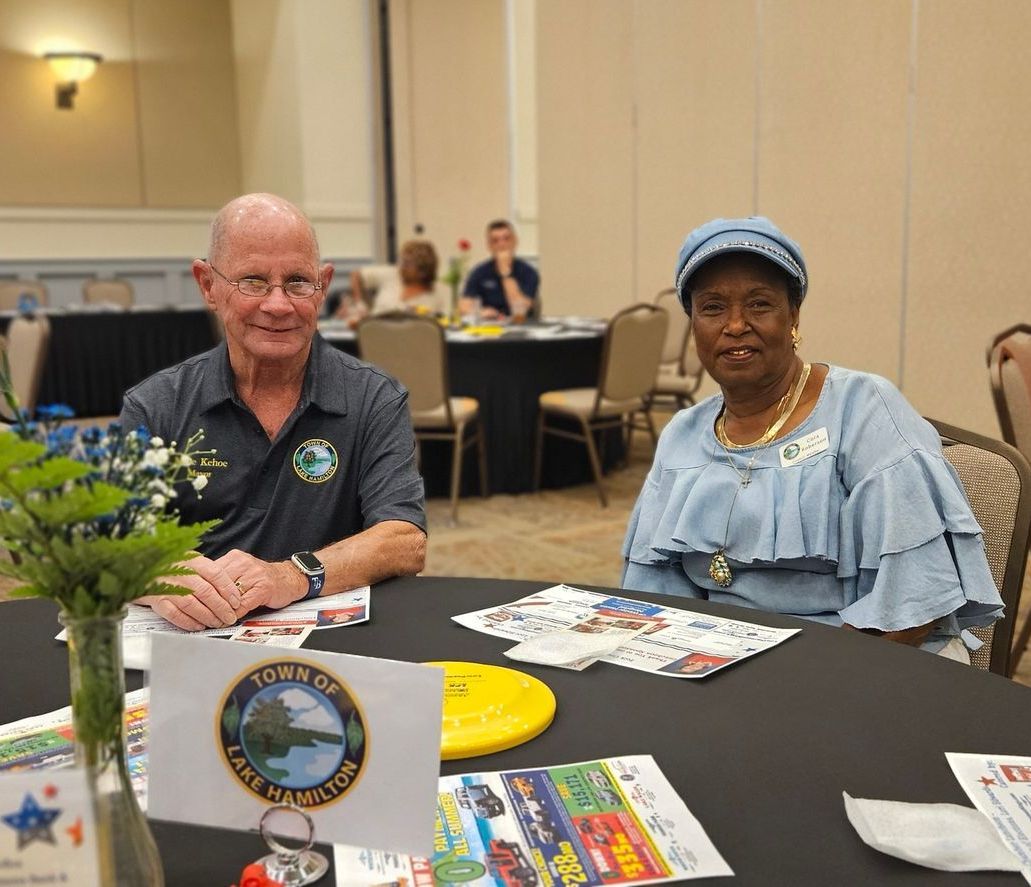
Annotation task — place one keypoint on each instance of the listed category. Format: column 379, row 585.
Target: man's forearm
column 391, row 548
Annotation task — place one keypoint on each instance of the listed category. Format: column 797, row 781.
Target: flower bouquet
column 454, row 275
column 84, row 515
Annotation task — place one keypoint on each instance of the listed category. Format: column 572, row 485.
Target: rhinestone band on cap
column 751, row 244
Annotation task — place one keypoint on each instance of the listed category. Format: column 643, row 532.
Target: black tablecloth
column 94, row 358
column 759, row 752
column 507, row 376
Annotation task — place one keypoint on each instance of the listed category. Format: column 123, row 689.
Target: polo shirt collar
column 318, row 388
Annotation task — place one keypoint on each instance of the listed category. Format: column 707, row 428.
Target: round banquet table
column 95, row 356
column 759, row 752
column 507, row 375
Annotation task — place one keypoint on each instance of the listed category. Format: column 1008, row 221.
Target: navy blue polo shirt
column 485, row 282
column 343, row 461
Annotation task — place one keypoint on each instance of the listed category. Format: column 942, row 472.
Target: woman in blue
column 802, row 488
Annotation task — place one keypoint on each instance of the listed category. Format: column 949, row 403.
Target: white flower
column 158, row 458
column 156, row 442
column 199, row 482
column 158, row 501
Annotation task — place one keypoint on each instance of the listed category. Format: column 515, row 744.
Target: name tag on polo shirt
column 804, row 447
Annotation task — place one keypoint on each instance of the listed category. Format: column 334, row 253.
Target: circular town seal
column 791, row 451
column 315, row 461
column 291, row 732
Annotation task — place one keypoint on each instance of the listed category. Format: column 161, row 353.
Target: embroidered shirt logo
column 315, row 461
column 292, row 733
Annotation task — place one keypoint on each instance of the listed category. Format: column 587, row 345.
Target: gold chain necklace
column 782, row 415
column 719, row 568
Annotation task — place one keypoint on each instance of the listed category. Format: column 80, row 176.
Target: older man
column 504, row 284
column 312, row 459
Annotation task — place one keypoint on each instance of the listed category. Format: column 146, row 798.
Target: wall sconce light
column 71, row 68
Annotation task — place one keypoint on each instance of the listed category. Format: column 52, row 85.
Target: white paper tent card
column 355, row 741
column 47, row 829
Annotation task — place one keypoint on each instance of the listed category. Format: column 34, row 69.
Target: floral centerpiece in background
column 84, row 514
column 454, row 275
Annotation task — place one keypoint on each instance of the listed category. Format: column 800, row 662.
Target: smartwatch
column 313, row 568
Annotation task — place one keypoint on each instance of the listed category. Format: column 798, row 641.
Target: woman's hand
column 911, row 637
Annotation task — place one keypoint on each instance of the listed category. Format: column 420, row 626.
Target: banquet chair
column 11, row 292
column 1009, row 373
column 630, row 359
column 997, row 481
column 680, row 372
column 113, row 291
column 25, row 351
column 412, row 349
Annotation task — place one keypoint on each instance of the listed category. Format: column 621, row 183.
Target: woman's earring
column 796, row 339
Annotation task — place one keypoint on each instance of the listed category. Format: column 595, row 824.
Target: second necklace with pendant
column 719, row 568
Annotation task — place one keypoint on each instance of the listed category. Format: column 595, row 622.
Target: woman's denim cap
column 755, row 234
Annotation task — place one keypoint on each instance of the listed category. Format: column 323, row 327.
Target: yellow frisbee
column 488, row 708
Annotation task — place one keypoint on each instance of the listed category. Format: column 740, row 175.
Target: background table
column 760, row 752
column 507, row 375
column 93, row 357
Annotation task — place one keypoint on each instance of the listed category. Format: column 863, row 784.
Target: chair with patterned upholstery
column 997, row 481
column 630, row 359
column 112, row 291
column 1009, row 372
column 412, row 349
column 680, row 373
column 25, row 350
column 11, row 292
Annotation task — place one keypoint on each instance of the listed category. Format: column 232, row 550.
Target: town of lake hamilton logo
column 292, row 733
column 791, row 451
column 315, row 461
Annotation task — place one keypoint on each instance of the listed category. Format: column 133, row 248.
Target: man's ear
column 205, row 278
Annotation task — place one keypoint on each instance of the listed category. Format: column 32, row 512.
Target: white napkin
column 946, row 837
column 567, row 649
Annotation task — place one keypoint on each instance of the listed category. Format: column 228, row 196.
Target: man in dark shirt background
column 506, row 286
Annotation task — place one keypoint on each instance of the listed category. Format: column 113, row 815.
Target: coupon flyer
column 661, row 640
column 47, row 741
column 612, row 821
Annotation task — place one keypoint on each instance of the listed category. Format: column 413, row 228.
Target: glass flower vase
column 126, row 850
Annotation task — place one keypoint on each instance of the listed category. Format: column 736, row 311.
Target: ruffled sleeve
column 911, row 551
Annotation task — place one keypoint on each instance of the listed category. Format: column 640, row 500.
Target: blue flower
column 55, row 411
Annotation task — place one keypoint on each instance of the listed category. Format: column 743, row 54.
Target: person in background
column 311, row 467
column 411, row 287
column 504, row 284
column 801, row 488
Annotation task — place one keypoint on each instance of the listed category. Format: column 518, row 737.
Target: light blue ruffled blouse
column 874, row 530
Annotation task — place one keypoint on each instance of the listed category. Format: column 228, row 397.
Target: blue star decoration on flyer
column 32, row 822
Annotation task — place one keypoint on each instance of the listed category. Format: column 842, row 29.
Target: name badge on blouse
column 804, row 447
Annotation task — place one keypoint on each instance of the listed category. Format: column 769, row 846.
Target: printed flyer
column 346, row 608
column 1000, row 787
column 46, row 741
column 676, row 643
column 613, row 821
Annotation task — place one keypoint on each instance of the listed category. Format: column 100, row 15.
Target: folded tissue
column 946, row 837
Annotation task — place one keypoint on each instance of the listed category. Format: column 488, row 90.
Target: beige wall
column 153, row 133
column 886, row 137
column 154, row 127
column 450, row 101
column 303, row 81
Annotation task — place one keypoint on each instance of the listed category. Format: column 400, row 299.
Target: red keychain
column 254, row 875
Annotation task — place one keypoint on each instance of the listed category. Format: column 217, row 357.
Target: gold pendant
column 719, row 570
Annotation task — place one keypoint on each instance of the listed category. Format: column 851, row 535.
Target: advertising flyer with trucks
column 612, row 821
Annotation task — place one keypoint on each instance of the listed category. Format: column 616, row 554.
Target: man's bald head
column 250, row 211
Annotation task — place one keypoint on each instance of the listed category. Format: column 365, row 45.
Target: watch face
column 307, row 562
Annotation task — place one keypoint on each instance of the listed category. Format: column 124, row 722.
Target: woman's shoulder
column 686, row 436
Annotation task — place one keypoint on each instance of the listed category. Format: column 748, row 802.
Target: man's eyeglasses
column 257, row 288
